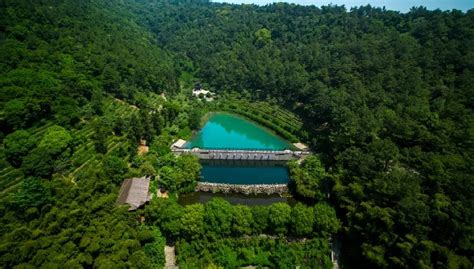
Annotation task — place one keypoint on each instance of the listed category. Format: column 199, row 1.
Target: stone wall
column 244, row 189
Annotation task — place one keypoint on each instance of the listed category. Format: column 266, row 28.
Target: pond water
column 235, row 172
column 226, row 131
column 234, row 198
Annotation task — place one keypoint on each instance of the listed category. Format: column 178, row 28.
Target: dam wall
column 250, row 155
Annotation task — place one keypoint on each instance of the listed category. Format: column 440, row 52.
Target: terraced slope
column 280, row 120
column 84, row 155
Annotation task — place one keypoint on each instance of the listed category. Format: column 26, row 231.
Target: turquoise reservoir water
column 225, row 131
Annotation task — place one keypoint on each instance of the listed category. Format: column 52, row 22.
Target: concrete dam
column 234, row 154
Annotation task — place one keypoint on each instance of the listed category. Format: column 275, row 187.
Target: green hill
column 384, row 99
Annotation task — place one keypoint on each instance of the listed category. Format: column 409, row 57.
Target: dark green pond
column 234, row 172
column 226, row 131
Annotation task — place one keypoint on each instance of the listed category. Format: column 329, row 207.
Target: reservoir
column 226, row 131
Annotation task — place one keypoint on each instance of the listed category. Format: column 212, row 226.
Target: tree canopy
column 383, row 98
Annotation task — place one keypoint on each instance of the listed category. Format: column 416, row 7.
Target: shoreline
column 262, row 123
column 209, row 114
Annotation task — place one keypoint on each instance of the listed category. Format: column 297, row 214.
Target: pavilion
column 134, row 192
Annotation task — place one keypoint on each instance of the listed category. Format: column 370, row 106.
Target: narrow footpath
column 170, row 258
column 336, row 255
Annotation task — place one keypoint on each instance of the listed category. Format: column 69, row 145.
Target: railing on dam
column 233, row 154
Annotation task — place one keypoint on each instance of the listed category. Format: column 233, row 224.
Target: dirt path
column 170, row 258
column 336, row 255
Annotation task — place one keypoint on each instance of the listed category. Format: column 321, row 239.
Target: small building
column 178, row 144
column 204, row 92
column 199, row 92
column 134, row 192
column 142, row 148
column 301, row 146
column 163, row 96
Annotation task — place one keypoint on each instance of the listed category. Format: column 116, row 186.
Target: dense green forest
column 385, row 100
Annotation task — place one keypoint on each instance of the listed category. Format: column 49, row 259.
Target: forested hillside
column 58, row 57
column 68, row 135
column 389, row 97
column 386, row 100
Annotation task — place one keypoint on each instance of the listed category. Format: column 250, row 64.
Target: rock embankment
column 244, row 189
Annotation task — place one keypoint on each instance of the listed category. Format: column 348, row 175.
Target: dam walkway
column 251, row 155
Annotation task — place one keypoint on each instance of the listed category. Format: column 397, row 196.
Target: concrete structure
column 207, row 95
column 178, row 144
column 241, row 188
column 248, row 155
column 199, row 91
column 300, row 146
column 134, row 192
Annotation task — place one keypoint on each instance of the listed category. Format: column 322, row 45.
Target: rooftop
column 134, row 192
column 178, row 144
column 197, row 92
column 300, row 146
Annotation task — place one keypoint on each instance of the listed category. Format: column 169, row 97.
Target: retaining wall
column 244, row 189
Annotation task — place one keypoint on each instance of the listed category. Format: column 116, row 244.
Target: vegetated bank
column 273, row 117
column 236, row 198
column 224, row 131
column 238, row 156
